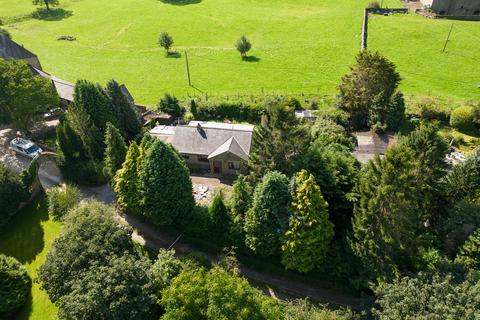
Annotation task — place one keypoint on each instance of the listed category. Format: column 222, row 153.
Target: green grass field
column 299, row 46
column 28, row 237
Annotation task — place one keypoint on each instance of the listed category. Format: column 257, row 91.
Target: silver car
column 25, row 147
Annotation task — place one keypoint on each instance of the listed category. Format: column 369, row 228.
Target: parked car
column 25, row 147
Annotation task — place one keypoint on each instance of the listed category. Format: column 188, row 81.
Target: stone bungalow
column 218, row 148
column 453, row 7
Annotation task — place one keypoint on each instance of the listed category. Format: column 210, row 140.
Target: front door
column 217, row 167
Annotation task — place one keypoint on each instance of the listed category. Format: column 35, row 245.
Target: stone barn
column 453, row 7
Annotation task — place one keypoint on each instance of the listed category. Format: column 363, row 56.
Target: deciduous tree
column 14, row 286
column 243, row 45
column 23, row 95
column 47, row 3
column 166, row 41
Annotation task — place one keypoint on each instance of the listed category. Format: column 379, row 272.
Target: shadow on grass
column 55, row 14
column 24, row 312
column 174, row 55
column 22, row 237
column 181, row 2
column 251, row 59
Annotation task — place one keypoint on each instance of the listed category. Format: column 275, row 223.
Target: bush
column 462, row 118
column 14, row 286
column 430, row 110
column 373, row 5
column 12, row 193
column 228, row 110
column 61, row 200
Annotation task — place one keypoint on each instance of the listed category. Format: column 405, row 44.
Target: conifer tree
column 165, row 185
column 470, row 252
column 125, row 181
column 219, row 219
column 387, row 224
column 267, row 218
column 129, row 119
column 306, row 241
column 115, row 151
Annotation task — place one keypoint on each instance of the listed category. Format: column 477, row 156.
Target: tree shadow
column 55, row 14
column 22, row 237
column 174, row 55
column 24, row 312
column 251, row 59
column 181, row 2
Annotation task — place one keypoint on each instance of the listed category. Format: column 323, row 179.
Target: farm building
column 453, row 7
column 10, row 50
column 217, row 148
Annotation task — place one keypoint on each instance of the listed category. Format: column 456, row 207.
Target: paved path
column 278, row 286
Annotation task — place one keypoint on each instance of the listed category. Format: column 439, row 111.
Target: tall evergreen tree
column 267, row 218
column 307, row 239
column 129, row 119
column 470, row 251
column 219, row 218
column 429, row 150
column 372, row 78
column 387, row 225
column 463, row 182
column 165, row 185
column 239, row 203
column 125, row 182
column 115, row 151
column 96, row 103
column 278, row 142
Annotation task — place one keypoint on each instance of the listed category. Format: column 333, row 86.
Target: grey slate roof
column 210, row 139
column 9, row 49
column 64, row 89
column 229, row 146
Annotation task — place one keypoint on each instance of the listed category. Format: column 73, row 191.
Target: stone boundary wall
column 384, row 11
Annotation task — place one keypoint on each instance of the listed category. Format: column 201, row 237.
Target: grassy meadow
column 28, row 237
column 299, row 46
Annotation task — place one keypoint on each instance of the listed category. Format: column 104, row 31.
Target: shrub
column 85, row 172
column 430, row 110
column 165, row 268
column 228, row 110
column 462, row 118
column 14, row 286
column 169, row 104
column 61, row 200
column 373, row 5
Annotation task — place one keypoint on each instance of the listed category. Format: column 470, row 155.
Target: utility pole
column 188, row 69
column 448, row 38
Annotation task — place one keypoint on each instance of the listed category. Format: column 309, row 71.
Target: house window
column 233, row 165
column 201, row 158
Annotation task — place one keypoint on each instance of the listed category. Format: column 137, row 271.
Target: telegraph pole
column 188, row 69
column 448, row 38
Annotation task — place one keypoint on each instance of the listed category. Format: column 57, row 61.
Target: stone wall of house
column 456, row 7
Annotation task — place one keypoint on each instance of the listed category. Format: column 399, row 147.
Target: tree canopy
column 14, row 286
column 165, row 185
column 309, row 232
column 23, row 95
column 267, row 219
column 371, row 83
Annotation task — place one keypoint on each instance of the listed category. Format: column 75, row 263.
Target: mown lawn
column 299, row 46
column 415, row 44
column 28, row 237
